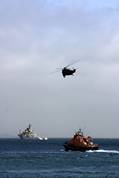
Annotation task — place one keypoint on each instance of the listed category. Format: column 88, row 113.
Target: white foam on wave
column 105, row 151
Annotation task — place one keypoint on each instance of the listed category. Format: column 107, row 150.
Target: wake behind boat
column 29, row 134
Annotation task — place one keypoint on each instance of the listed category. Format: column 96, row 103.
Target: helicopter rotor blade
column 60, row 68
column 72, row 63
column 55, row 71
column 77, row 68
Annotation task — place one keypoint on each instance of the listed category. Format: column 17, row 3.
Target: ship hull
column 29, row 138
column 80, row 148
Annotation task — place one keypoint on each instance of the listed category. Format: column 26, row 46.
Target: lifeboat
column 79, row 142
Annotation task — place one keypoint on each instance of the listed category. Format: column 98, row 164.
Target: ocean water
column 47, row 159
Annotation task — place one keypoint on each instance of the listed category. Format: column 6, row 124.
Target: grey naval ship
column 28, row 133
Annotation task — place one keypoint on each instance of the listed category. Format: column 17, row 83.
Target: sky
column 36, row 38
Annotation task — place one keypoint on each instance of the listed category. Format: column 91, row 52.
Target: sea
column 47, row 159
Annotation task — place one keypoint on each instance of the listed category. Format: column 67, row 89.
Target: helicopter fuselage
column 66, row 71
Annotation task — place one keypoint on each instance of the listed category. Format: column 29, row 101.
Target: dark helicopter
column 66, row 71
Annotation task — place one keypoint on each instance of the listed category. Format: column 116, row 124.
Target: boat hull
column 80, row 148
column 29, row 137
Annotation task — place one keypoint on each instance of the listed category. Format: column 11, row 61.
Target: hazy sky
column 38, row 36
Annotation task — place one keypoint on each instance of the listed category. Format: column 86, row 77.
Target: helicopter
column 68, row 71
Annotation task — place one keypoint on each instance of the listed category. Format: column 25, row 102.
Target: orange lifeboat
column 79, row 142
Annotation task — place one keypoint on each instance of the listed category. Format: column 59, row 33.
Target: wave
column 104, row 151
